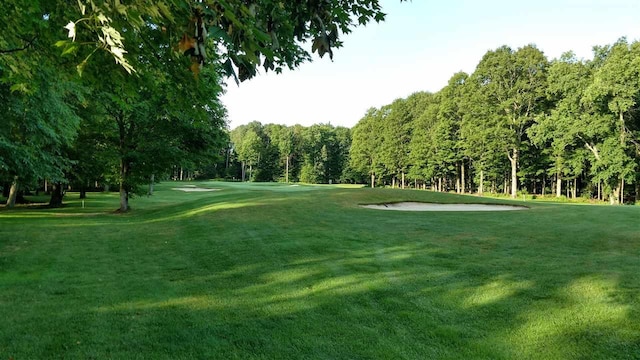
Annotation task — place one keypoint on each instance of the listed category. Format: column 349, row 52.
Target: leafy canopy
column 272, row 34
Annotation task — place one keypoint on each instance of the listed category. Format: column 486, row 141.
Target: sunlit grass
column 279, row 271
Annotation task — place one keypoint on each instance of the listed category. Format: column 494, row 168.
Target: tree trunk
column 286, row 175
column 151, row 181
column 83, row 192
column 622, row 191
column 514, row 173
column 124, row 199
column 558, row 184
column 393, row 182
column 575, row 188
column 544, row 184
column 462, row 175
column 56, row 195
column 46, row 186
column 481, row 187
column 440, row 184
column 373, row 180
column 124, row 193
column 403, row 180
column 599, row 194
column 13, row 193
column 243, row 171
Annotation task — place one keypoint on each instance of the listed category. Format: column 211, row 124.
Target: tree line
column 518, row 124
column 315, row 154
column 72, row 116
column 127, row 93
column 77, row 125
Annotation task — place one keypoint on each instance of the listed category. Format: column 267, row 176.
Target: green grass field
column 271, row 271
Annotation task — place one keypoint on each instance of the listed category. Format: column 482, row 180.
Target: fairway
column 273, row 271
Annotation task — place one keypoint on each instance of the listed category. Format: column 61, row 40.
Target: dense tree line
column 72, row 116
column 315, row 154
column 518, row 123
column 125, row 93
column 61, row 129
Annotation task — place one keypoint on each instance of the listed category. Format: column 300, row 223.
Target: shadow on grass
column 325, row 280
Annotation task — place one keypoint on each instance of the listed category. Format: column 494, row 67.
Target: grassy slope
column 273, row 271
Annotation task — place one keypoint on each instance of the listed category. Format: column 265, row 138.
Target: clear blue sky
column 418, row 48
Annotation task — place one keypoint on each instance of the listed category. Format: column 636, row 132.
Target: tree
column 365, row 146
column 159, row 117
column 39, row 119
column 479, row 140
column 37, row 126
column 558, row 132
column 513, row 85
column 282, row 138
column 322, row 154
column 248, row 144
column 396, row 135
column 450, row 118
column 617, row 84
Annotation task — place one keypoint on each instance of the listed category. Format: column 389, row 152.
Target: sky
column 419, row 46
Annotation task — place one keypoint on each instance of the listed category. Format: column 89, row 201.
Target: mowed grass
column 271, row 271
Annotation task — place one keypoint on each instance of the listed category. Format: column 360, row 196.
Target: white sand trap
column 193, row 189
column 417, row 206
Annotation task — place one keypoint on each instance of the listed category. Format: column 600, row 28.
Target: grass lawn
column 271, row 271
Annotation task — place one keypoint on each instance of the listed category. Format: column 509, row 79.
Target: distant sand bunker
column 417, row 206
column 193, row 189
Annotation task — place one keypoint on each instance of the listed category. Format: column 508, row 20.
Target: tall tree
column 36, row 127
column 513, row 84
column 617, row 84
column 38, row 95
column 558, row 131
column 366, row 143
column 159, row 117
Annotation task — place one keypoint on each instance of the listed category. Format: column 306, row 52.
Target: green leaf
column 219, row 34
column 21, row 87
column 70, row 49
column 62, row 43
column 164, row 10
column 227, row 67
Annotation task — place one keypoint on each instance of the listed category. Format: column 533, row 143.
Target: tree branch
column 25, row 47
column 593, row 149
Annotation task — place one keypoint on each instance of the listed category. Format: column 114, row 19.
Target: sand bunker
column 417, row 206
column 192, row 188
